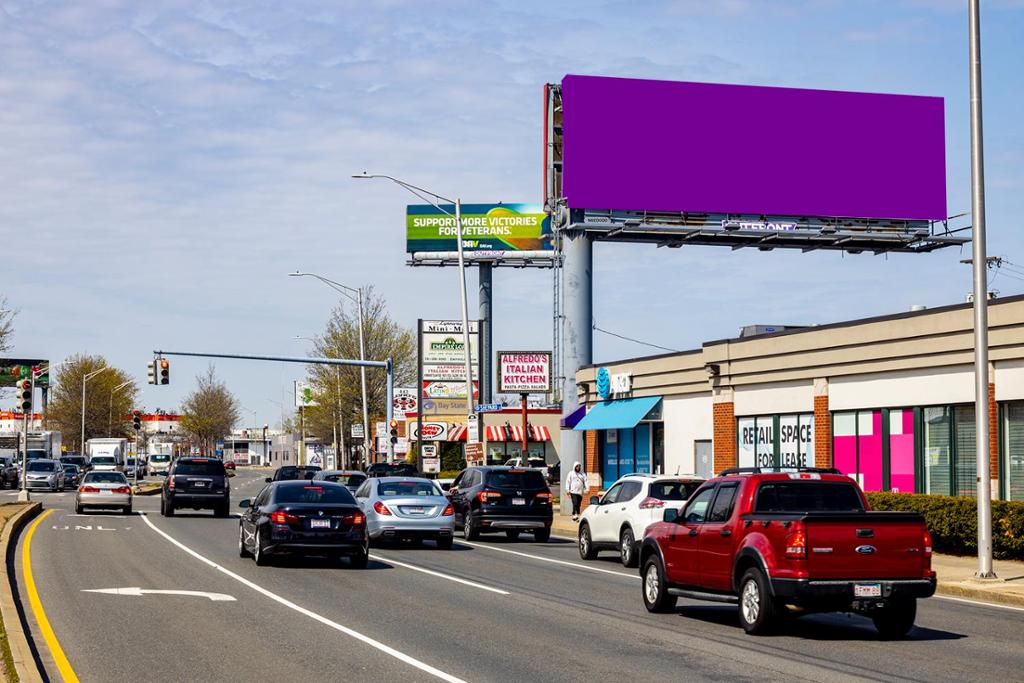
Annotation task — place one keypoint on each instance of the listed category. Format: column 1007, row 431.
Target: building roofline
column 671, row 354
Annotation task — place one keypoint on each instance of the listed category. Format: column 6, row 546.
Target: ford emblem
column 866, row 549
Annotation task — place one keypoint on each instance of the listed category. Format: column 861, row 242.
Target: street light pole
column 981, row 379
column 433, row 198
column 347, row 292
column 86, row 378
column 110, row 409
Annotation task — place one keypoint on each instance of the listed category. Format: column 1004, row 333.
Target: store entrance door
column 704, row 459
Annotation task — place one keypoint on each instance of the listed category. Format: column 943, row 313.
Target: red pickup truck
column 767, row 540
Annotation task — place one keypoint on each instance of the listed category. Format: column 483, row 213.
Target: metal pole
column 523, row 398
column 486, row 273
column 465, row 313
column 23, row 493
column 342, row 453
column 81, row 440
column 362, row 375
column 391, row 406
column 302, row 436
column 980, row 265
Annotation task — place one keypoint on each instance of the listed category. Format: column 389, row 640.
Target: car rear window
column 104, row 478
column 807, row 496
column 346, row 479
column 524, row 479
column 314, row 493
column 407, row 488
column 201, row 467
column 673, row 490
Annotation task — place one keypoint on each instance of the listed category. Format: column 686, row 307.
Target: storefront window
column 791, row 446
column 1013, row 446
column 624, row 451
column 875, row 447
column 937, row 448
column 966, row 469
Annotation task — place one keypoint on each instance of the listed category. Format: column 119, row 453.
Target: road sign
column 488, row 407
column 524, row 372
column 357, row 431
column 381, row 429
column 304, row 395
column 474, row 452
column 473, row 429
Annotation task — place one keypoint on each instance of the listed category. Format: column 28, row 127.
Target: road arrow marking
column 139, row 592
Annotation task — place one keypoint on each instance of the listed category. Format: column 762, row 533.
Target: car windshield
column 41, row 466
column 207, row 467
column 407, row 488
column 313, row 493
column 346, row 479
column 673, row 490
column 807, row 496
column 72, row 469
column 104, row 478
column 524, row 479
column 103, row 460
column 159, row 458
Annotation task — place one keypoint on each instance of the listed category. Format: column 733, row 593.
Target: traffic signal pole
column 386, row 365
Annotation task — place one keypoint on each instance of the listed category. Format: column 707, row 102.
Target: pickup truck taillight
column 796, row 544
column 650, row 503
column 927, row 543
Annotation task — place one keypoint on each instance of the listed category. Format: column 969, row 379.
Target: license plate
column 867, row 590
column 319, row 524
column 519, row 501
column 414, row 511
column 106, row 492
column 200, row 484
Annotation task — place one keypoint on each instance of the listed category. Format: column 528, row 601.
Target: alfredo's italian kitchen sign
column 524, row 372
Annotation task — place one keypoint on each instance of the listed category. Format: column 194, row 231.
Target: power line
column 630, row 339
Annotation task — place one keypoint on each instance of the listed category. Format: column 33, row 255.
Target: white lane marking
column 386, row 649
column 980, row 603
column 440, row 575
column 135, row 591
column 551, row 560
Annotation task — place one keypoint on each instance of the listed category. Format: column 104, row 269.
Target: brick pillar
column 724, row 429
column 993, row 434
column 822, row 425
column 592, row 463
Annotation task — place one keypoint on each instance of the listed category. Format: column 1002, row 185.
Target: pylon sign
column 304, row 395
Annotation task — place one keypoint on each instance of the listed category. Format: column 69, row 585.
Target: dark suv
column 508, row 499
column 398, row 469
column 293, row 473
column 197, row 483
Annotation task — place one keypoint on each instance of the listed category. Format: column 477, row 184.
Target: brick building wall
column 724, row 434
column 592, row 463
column 993, row 432
column 822, row 432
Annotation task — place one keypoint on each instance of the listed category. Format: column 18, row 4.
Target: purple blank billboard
column 637, row 145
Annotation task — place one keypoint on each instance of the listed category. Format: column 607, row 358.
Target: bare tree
column 209, row 412
column 107, row 413
column 6, row 325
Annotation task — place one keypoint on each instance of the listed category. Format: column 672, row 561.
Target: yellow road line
column 66, row 672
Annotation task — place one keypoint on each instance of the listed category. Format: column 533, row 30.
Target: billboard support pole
column 980, row 264
column 486, row 273
column 523, row 399
column 577, row 337
column 419, row 395
column 465, row 310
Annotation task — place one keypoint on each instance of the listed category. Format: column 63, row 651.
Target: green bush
column 953, row 522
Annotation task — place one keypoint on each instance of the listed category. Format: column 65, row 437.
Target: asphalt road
column 489, row 611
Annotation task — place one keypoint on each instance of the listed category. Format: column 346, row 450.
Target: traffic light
column 151, row 371
column 165, row 371
column 25, row 394
column 394, row 431
column 137, row 419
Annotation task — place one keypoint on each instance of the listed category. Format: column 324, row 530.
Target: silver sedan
column 104, row 490
column 406, row 508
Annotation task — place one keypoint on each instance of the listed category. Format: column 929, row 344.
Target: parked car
column 406, row 508
column 767, row 539
column 80, row 460
column 104, row 490
column 350, row 479
column 10, row 473
column 293, row 472
column 618, row 520
column 43, row 473
column 158, row 463
column 392, row 469
column 489, row 499
column 72, row 475
column 196, row 483
column 305, row 518
column 229, row 465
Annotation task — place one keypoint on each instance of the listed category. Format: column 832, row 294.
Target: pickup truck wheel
column 655, row 592
column 587, row 551
column 627, row 548
column 895, row 619
column 758, row 610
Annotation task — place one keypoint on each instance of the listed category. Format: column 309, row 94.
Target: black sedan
column 303, row 518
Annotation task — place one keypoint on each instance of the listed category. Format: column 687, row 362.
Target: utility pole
column 981, row 378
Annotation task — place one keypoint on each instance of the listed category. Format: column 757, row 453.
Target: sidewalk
column 955, row 574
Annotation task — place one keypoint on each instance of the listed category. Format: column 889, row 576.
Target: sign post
column 525, row 372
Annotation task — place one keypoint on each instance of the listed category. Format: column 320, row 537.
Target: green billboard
column 487, row 229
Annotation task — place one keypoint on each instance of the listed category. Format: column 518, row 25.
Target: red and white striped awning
column 495, row 433
column 458, row 433
column 540, row 433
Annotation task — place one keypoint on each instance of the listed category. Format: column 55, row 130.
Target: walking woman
column 576, row 485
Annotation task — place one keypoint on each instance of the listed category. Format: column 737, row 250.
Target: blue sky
column 166, row 164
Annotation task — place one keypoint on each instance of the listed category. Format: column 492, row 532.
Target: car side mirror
column 245, row 503
column 670, row 515
column 269, row 479
column 594, row 500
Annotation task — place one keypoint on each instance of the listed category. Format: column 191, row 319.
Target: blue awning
column 623, row 414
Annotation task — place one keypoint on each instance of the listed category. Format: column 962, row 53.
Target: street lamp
column 110, row 409
column 347, row 292
column 86, row 378
column 433, row 198
column 339, row 426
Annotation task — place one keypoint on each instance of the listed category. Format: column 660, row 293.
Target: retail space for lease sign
column 442, row 360
column 489, row 230
column 776, row 440
column 524, row 372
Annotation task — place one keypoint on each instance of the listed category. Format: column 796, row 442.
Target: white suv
column 618, row 520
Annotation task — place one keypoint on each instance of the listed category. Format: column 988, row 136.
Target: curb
column 962, row 590
column 21, row 651
column 148, row 491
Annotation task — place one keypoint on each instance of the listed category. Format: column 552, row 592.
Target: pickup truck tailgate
column 873, row 545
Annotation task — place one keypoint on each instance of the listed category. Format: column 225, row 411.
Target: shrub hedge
column 953, row 522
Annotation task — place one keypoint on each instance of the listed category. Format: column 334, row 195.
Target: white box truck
column 160, row 455
column 106, row 454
